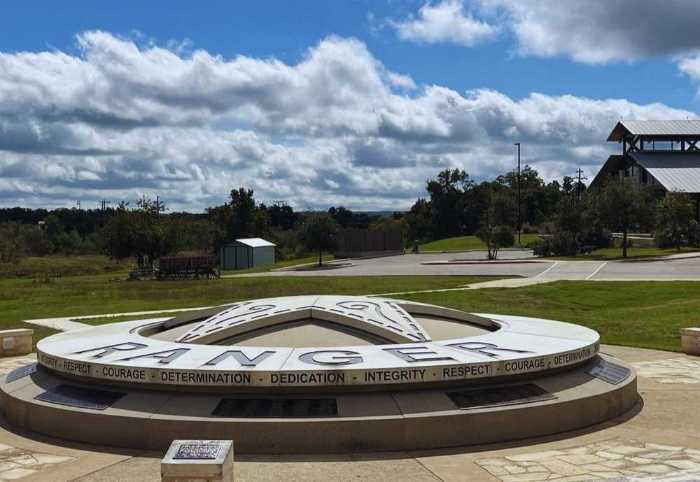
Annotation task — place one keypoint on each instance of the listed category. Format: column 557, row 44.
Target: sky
column 320, row 103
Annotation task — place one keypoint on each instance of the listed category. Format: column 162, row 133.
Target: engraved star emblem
column 380, row 317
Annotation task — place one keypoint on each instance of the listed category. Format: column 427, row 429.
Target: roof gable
column 661, row 128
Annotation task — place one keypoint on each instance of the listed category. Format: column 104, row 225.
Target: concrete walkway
column 659, row 440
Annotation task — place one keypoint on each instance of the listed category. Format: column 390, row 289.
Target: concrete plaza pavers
column 659, row 440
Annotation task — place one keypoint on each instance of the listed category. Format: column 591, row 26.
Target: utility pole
column 518, row 144
column 579, row 171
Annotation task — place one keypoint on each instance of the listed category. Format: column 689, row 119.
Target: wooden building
column 661, row 154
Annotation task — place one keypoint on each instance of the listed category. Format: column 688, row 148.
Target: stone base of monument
column 690, row 341
column 391, row 419
column 320, row 374
column 198, row 461
column 16, row 342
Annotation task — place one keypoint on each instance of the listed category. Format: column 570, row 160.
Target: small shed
column 246, row 253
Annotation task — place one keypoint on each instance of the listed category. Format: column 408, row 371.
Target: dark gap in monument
column 499, row 396
column 276, row 408
column 80, row 397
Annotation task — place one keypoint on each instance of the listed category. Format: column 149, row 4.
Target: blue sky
column 286, row 29
column 323, row 102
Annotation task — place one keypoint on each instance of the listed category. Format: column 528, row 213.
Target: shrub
column 560, row 244
column 600, row 238
column 495, row 238
column 529, row 229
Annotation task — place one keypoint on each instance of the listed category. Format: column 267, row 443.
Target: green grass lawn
column 464, row 243
column 27, row 298
column 52, row 266
column 644, row 314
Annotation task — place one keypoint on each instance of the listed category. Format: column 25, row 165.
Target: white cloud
column 591, row 31
column 690, row 66
column 119, row 120
column 445, row 22
column 599, row 31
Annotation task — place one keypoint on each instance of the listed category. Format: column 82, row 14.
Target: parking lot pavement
column 572, row 270
column 411, row 264
column 510, row 264
column 665, row 270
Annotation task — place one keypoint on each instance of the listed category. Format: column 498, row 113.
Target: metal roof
column 669, row 128
column 675, row 171
column 255, row 242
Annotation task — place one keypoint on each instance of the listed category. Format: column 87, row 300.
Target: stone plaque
column 609, row 372
column 197, row 451
column 20, row 372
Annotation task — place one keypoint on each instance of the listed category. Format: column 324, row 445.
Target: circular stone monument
column 319, row 374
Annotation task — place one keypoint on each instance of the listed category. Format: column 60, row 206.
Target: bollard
column 690, row 341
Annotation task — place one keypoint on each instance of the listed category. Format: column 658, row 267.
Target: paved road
column 522, row 264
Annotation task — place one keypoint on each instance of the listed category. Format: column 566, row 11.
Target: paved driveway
column 511, row 263
column 412, row 264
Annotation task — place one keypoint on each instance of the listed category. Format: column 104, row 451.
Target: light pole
column 518, row 144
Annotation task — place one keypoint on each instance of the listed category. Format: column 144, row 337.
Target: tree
column 447, row 200
column 142, row 232
column 675, row 219
column 419, row 221
column 535, row 197
column 243, row 210
column 12, row 245
column 623, row 204
column 238, row 218
column 281, row 215
column 497, row 224
column 318, row 233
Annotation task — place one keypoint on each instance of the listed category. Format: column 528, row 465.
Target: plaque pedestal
column 690, row 341
column 16, row 342
column 198, row 461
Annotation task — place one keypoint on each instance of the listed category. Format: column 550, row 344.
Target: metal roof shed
column 246, row 253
